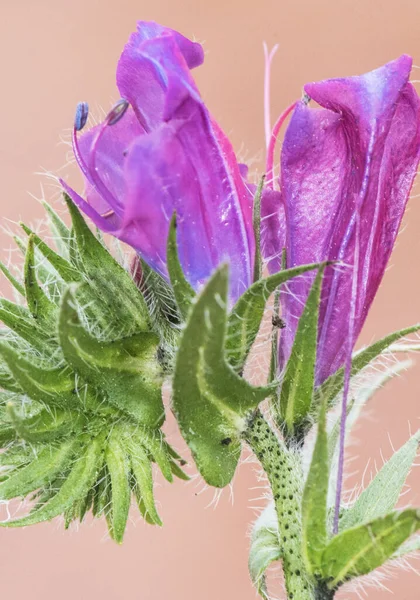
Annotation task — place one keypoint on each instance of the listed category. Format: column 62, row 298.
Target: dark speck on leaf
column 226, row 441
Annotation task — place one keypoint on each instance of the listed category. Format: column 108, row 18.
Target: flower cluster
column 346, row 173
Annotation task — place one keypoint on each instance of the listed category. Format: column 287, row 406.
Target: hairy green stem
column 283, row 469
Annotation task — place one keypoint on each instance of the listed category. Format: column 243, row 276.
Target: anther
column 81, row 116
column 117, row 112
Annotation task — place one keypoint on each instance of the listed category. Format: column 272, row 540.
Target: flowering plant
column 83, row 362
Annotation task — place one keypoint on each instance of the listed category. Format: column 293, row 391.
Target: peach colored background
column 54, row 53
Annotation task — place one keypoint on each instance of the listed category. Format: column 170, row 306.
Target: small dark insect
column 278, row 322
column 226, row 441
column 182, row 462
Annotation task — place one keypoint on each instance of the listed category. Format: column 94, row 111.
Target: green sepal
column 76, row 486
column 211, row 402
column 384, row 490
column 143, row 484
column 163, row 311
column 360, row 550
column 52, row 387
column 126, row 370
column 361, row 359
column 66, row 271
column 40, row 306
column 265, row 549
column 246, row 316
column 15, row 283
column 41, row 471
column 298, row 381
column 118, row 466
column 19, row 319
column 314, row 501
column 59, row 230
column 107, row 278
column 184, row 293
column 45, row 426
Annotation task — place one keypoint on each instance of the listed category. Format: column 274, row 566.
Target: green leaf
column 76, row 486
column 298, row 380
column 119, row 470
column 15, row 283
column 409, row 547
column 109, row 280
column 265, row 549
column 163, row 310
column 361, row 359
column 256, row 222
column 314, row 501
column 40, row 306
column 45, row 426
column 383, row 492
column 127, row 369
column 53, row 387
column 184, row 293
column 39, row 472
column 60, row 264
column 19, row 319
column 210, row 401
column 143, row 486
column 59, row 230
column 360, row 550
column 155, row 444
column 246, row 316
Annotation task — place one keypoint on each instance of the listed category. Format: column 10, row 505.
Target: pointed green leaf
column 15, row 283
column 361, row 359
column 298, row 381
column 75, row 487
column 119, row 470
column 384, row 490
column 410, row 547
column 102, row 493
column 154, row 443
column 54, row 387
column 256, row 222
column 40, row 306
column 184, row 293
column 8, row 382
column 39, row 472
column 360, row 550
column 60, row 264
column 246, row 316
column 314, row 502
column 264, row 550
column 163, row 310
column 127, row 369
column 47, row 426
column 59, row 230
column 210, row 401
column 108, row 278
column 142, row 472
column 19, row 319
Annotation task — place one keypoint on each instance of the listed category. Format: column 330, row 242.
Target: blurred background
column 54, row 53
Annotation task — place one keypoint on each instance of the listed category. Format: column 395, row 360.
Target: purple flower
column 159, row 151
column 346, row 173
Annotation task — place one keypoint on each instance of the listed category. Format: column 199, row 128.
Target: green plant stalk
column 284, row 472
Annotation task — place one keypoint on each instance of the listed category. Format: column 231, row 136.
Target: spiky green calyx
column 81, row 406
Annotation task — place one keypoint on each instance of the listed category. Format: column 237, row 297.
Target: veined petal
column 361, row 149
column 151, row 53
